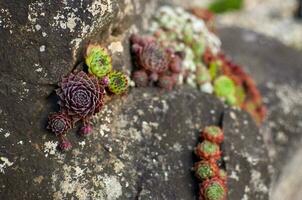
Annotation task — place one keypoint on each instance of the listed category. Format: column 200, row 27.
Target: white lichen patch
column 4, row 163
column 234, row 176
column 289, row 97
column 50, row 148
column 113, row 187
column 116, row 47
column 5, row 20
column 257, row 182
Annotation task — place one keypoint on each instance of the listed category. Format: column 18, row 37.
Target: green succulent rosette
column 98, row 61
column 225, row 88
column 118, row 82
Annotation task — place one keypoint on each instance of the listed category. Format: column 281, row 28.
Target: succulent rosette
column 64, row 144
column 98, row 61
column 59, row 123
column 80, row 95
column 208, row 150
column 213, row 189
column 222, row 175
column 118, row 82
column 213, row 134
column 166, row 82
column 140, row 78
column 205, row 169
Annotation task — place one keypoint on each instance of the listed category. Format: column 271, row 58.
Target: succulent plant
column 213, row 134
column 149, row 55
column 213, row 189
column 118, row 82
column 64, row 144
column 222, row 175
column 166, row 82
column 208, row 150
column 224, row 87
column 80, row 95
column 140, row 78
column 205, row 169
column 98, row 61
column 86, row 129
column 59, row 123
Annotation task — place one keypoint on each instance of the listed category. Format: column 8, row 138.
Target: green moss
column 98, row 61
column 215, row 192
column 118, row 82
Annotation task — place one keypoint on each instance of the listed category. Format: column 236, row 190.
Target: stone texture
column 142, row 144
column 278, row 73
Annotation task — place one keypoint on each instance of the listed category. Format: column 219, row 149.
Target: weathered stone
column 142, row 144
column 277, row 71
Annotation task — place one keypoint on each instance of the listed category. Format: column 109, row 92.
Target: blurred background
column 276, row 18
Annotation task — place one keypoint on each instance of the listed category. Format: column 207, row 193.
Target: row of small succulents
column 181, row 48
column 81, row 94
column 213, row 179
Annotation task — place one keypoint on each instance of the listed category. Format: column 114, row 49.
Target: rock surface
column 142, row 144
column 278, row 73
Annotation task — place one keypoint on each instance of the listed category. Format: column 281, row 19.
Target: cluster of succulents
column 212, row 178
column 156, row 65
column 81, row 94
column 197, row 57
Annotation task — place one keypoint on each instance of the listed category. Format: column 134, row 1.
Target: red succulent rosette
column 208, row 150
column 213, row 189
column 59, row 123
column 80, row 94
column 213, row 134
column 206, row 169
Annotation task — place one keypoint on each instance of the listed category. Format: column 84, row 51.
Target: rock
column 142, row 147
column 142, row 144
column 277, row 71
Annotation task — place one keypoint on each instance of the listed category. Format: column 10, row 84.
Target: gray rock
column 278, row 73
column 142, row 144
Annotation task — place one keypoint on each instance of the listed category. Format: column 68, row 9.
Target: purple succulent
column 59, row 123
column 86, row 130
column 64, row 144
column 105, row 81
column 80, row 94
column 166, row 82
column 140, row 78
column 149, row 55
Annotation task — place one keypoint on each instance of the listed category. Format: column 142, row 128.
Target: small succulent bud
column 166, row 82
column 202, row 75
column 118, row 82
column 140, row 78
column 86, row 130
column 98, row 61
column 65, row 145
column 208, row 150
column 59, row 123
column 205, row 169
column 175, row 63
column 105, row 81
column 213, row 134
column 213, row 189
column 222, row 175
